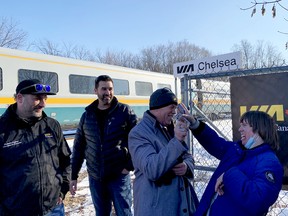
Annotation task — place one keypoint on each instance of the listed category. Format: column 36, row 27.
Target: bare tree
column 159, row 58
column 258, row 56
column 11, row 36
column 77, row 52
column 246, row 49
column 46, row 46
column 120, row 58
column 263, row 5
column 162, row 57
column 153, row 58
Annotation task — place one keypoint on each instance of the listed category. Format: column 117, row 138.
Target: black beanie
column 161, row 98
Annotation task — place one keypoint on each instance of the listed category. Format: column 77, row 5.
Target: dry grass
column 75, row 202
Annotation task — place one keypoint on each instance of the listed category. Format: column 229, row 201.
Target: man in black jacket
column 102, row 139
column 34, row 156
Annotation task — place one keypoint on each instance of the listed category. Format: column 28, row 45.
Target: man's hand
column 60, row 201
column 125, row 171
column 73, row 187
column 180, row 169
column 181, row 130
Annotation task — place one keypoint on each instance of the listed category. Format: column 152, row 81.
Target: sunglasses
column 37, row 88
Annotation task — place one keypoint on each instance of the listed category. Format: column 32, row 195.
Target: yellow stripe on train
column 83, row 101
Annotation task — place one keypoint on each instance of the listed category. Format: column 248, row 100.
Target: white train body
column 73, row 81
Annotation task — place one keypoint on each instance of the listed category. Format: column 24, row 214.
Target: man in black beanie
column 161, row 98
column 163, row 166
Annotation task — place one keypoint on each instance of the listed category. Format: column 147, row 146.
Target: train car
column 73, row 81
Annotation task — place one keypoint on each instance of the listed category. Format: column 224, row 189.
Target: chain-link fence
column 210, row 99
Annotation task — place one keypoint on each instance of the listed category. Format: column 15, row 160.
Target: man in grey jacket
column 163, row 166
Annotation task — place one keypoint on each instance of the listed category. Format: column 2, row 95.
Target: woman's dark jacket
column 106, row 157
column 34, row 164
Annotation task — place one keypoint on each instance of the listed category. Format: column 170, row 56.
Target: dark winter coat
column 105, row 158
column 34, row 165
column 252, row 179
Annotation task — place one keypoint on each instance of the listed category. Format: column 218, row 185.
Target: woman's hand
column 219, row 185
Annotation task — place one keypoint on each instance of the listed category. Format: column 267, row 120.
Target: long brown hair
column 264, row 125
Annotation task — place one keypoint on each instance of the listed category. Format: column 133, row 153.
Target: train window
column 162, row 85
column 85, row 85
column 81, row 84
column 143, row 88
column 121, row 87
column 1, row 79
column 50, row 78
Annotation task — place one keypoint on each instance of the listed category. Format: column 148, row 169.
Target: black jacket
column 34, row 165
column 106, row 157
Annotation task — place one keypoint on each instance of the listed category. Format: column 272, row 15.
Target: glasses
column 37, row 88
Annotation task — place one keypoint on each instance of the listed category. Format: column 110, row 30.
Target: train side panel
column 73, row 80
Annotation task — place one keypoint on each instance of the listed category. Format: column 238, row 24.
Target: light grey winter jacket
column 152, row 156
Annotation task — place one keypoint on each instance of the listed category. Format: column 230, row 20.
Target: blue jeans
column 117, row 191
column 57, row 211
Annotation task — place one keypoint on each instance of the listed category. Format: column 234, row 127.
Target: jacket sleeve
column 64, row 163
column 211, row 141
column 78, row 153
column 188, row 159
column 132, row 121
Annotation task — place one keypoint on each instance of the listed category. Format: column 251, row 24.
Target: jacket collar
column 149, row 116
column 11, row 113
column 93, row 106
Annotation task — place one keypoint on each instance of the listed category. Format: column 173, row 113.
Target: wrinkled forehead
column 37, row 96
column 169, row 107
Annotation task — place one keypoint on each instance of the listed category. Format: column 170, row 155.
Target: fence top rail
column 239, row 72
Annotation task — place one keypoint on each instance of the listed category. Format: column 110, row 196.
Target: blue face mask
column 250, row 142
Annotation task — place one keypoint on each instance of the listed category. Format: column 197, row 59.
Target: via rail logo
column 214, row 64
column 276, row 110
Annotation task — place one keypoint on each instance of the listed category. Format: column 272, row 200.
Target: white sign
column 210, row 65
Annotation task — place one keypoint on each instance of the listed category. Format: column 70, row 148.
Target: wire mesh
column 211, row 101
